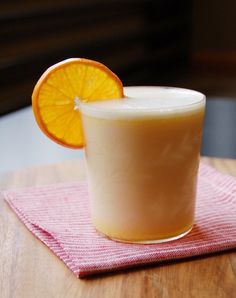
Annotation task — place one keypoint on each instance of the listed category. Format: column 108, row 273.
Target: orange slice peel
column 57, row 95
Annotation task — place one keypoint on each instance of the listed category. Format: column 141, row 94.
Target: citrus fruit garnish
column 58, row 92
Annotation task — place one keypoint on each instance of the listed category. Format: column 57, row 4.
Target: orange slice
column 56, row 96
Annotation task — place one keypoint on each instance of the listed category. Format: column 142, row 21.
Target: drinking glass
column 142, row 156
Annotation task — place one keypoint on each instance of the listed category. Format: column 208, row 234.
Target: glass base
column 154, row 241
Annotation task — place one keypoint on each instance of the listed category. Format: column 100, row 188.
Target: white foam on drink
column 147, row 102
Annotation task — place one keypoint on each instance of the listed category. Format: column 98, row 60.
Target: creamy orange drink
column 142, row 147
column 142, row 156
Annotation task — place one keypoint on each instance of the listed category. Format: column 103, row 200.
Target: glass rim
column 93, row 108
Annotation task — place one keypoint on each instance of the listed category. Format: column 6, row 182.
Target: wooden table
column 29, row 269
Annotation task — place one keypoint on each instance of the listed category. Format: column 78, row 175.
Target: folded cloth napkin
column 59, row 216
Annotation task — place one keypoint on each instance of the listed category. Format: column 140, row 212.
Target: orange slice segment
column 56, row 97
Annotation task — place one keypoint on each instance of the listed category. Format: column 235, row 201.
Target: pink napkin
column 59, row 216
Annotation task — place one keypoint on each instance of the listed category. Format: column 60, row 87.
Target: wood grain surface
column 29, row 269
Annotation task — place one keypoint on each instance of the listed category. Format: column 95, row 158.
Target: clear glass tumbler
column 142, row 155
